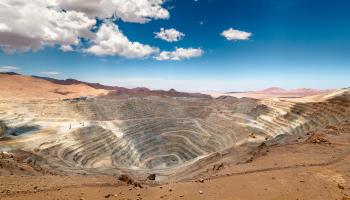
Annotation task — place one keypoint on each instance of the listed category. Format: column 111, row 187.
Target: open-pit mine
column 92, row 132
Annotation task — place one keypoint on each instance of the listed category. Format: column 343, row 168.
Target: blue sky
column 293, row 44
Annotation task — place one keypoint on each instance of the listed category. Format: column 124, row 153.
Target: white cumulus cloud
column 66, row 48
column 30, row 25
column 139, row 11
column 111, row 41
column 232, row 34
column 34, row 24
column 169, row 35
column 8, row 68
column 180, row 54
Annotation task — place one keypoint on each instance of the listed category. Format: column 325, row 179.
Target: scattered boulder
column 218, row 167
column 200, row 192
column 151, row 177
column 129, row 180
column 340, row 186
column 319, row 140
column 124, row 178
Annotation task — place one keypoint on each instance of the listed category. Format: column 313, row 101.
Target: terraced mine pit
column 173, row 137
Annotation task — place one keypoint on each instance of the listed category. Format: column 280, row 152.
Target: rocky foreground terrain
column 82, row 141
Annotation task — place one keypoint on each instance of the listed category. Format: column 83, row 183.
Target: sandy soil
column 313, row 168
column 26, row 87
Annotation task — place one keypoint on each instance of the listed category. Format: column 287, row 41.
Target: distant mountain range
column 119, row 91
column 114, row 91
column 14, row 84
column 274, row 92
column 304, row 91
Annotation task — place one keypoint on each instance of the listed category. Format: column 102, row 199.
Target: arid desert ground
column 75, row 140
